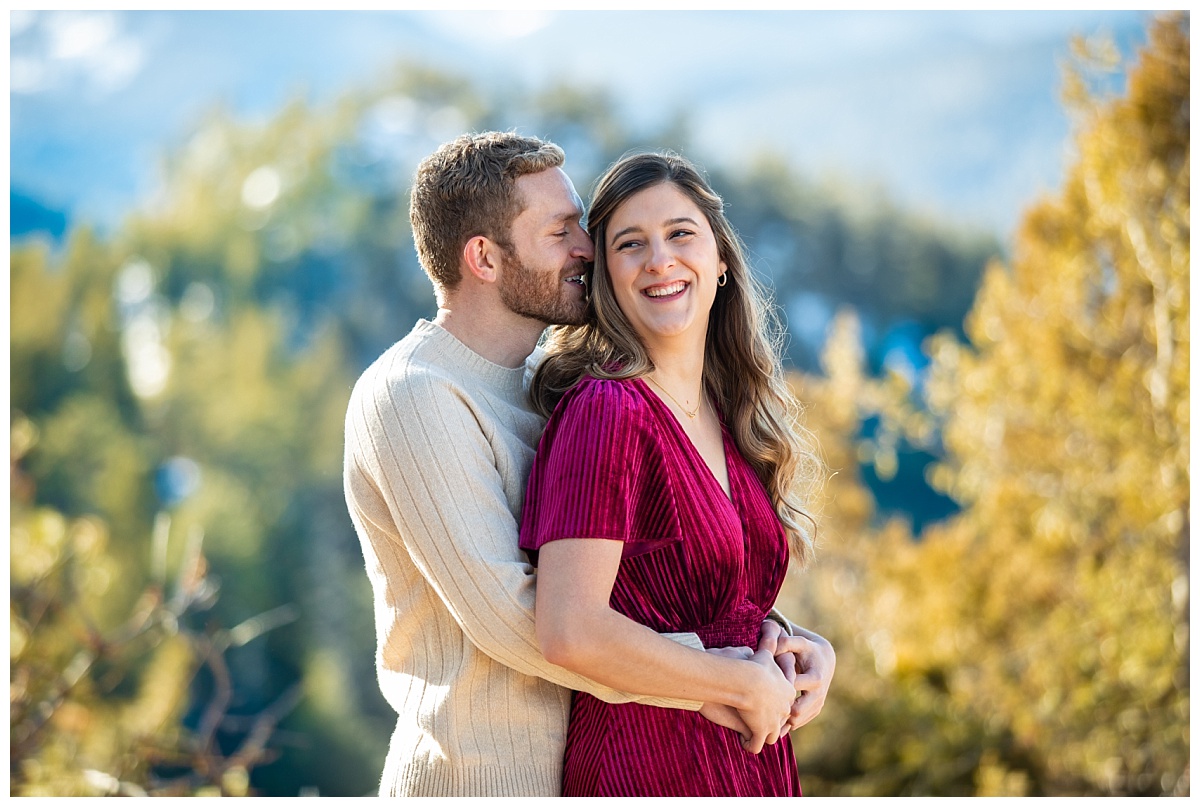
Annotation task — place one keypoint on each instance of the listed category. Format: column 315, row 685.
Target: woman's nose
column 661, row 257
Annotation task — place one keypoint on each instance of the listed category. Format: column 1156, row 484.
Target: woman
column 663, row 497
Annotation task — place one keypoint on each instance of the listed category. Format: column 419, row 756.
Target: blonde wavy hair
column 742, row 369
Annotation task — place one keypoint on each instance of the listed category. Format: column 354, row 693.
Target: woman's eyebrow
column 667, row 223
column 617, row 235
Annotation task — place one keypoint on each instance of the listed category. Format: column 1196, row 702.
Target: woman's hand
column 768, row 703
column 808, row 661
column 720, row 713
column 763, row 718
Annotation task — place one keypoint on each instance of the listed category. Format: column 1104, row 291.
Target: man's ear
column 481, row 256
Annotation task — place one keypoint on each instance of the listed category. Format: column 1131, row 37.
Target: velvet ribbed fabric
column 615, row 464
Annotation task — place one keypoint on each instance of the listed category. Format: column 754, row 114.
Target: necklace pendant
column 682, row 408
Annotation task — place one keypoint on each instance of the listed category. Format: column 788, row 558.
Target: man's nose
column 584, row 250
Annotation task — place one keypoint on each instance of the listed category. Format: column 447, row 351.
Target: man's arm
column 420, row 447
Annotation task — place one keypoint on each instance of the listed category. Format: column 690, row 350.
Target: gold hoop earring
column 723, row 279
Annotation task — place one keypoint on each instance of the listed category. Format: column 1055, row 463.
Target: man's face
column 543, row 277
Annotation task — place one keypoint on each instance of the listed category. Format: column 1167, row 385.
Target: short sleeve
column 599, row 473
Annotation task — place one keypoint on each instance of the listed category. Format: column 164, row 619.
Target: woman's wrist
column 749, row 680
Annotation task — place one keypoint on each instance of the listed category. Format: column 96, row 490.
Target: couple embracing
column 575, row 548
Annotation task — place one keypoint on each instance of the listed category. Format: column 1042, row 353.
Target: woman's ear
column 481, row 256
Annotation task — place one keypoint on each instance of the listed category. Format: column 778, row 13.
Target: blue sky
column 954, row 114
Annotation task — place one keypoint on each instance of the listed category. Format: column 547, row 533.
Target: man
column 439, row 441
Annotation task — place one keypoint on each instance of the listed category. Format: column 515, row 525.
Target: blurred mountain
column 97, row 97
column 28, row 216
column 955, row 114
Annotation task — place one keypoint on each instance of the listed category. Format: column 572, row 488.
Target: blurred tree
column 1037, row 642
column 98, row 693
column 823, row 246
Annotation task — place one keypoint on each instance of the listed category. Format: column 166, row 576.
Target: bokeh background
column 976, row 227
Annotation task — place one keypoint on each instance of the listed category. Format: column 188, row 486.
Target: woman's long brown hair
column 742, row 369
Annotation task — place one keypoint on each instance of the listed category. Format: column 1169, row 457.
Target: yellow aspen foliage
column 1037, row 641
column 1067, row 438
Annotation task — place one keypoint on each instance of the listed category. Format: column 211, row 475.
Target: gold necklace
column 691, row 414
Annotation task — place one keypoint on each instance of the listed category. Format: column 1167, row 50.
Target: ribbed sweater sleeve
column 420, row 443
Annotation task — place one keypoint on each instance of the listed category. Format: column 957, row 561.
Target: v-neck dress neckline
column 726, row 440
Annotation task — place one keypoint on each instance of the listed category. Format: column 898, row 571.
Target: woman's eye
column 679, row 233
column 626, row 244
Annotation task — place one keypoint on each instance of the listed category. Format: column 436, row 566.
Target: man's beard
column 541, row 295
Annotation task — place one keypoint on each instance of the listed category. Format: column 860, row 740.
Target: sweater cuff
column 686, row 639
column 781, row 620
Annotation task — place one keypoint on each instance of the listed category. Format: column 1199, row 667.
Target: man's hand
column 768, row 639
column 726, row 716
column 808, row 662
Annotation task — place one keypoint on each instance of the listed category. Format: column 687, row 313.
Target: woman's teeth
column 666, row 291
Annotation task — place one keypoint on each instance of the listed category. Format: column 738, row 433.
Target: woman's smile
column 669, row 290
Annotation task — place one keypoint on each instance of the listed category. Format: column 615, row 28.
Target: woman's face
column 663, row 264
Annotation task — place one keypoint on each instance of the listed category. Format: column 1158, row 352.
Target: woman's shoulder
column 606, row 394
column 615, row 402
column 602, row 418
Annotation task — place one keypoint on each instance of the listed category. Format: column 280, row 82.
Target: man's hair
column 468, row 188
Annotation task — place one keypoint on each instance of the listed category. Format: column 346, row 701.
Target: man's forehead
column 549, row 194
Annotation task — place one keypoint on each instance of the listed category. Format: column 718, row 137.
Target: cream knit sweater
column 439, row 442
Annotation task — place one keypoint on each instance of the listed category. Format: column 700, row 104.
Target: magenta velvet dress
column 615, row 464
